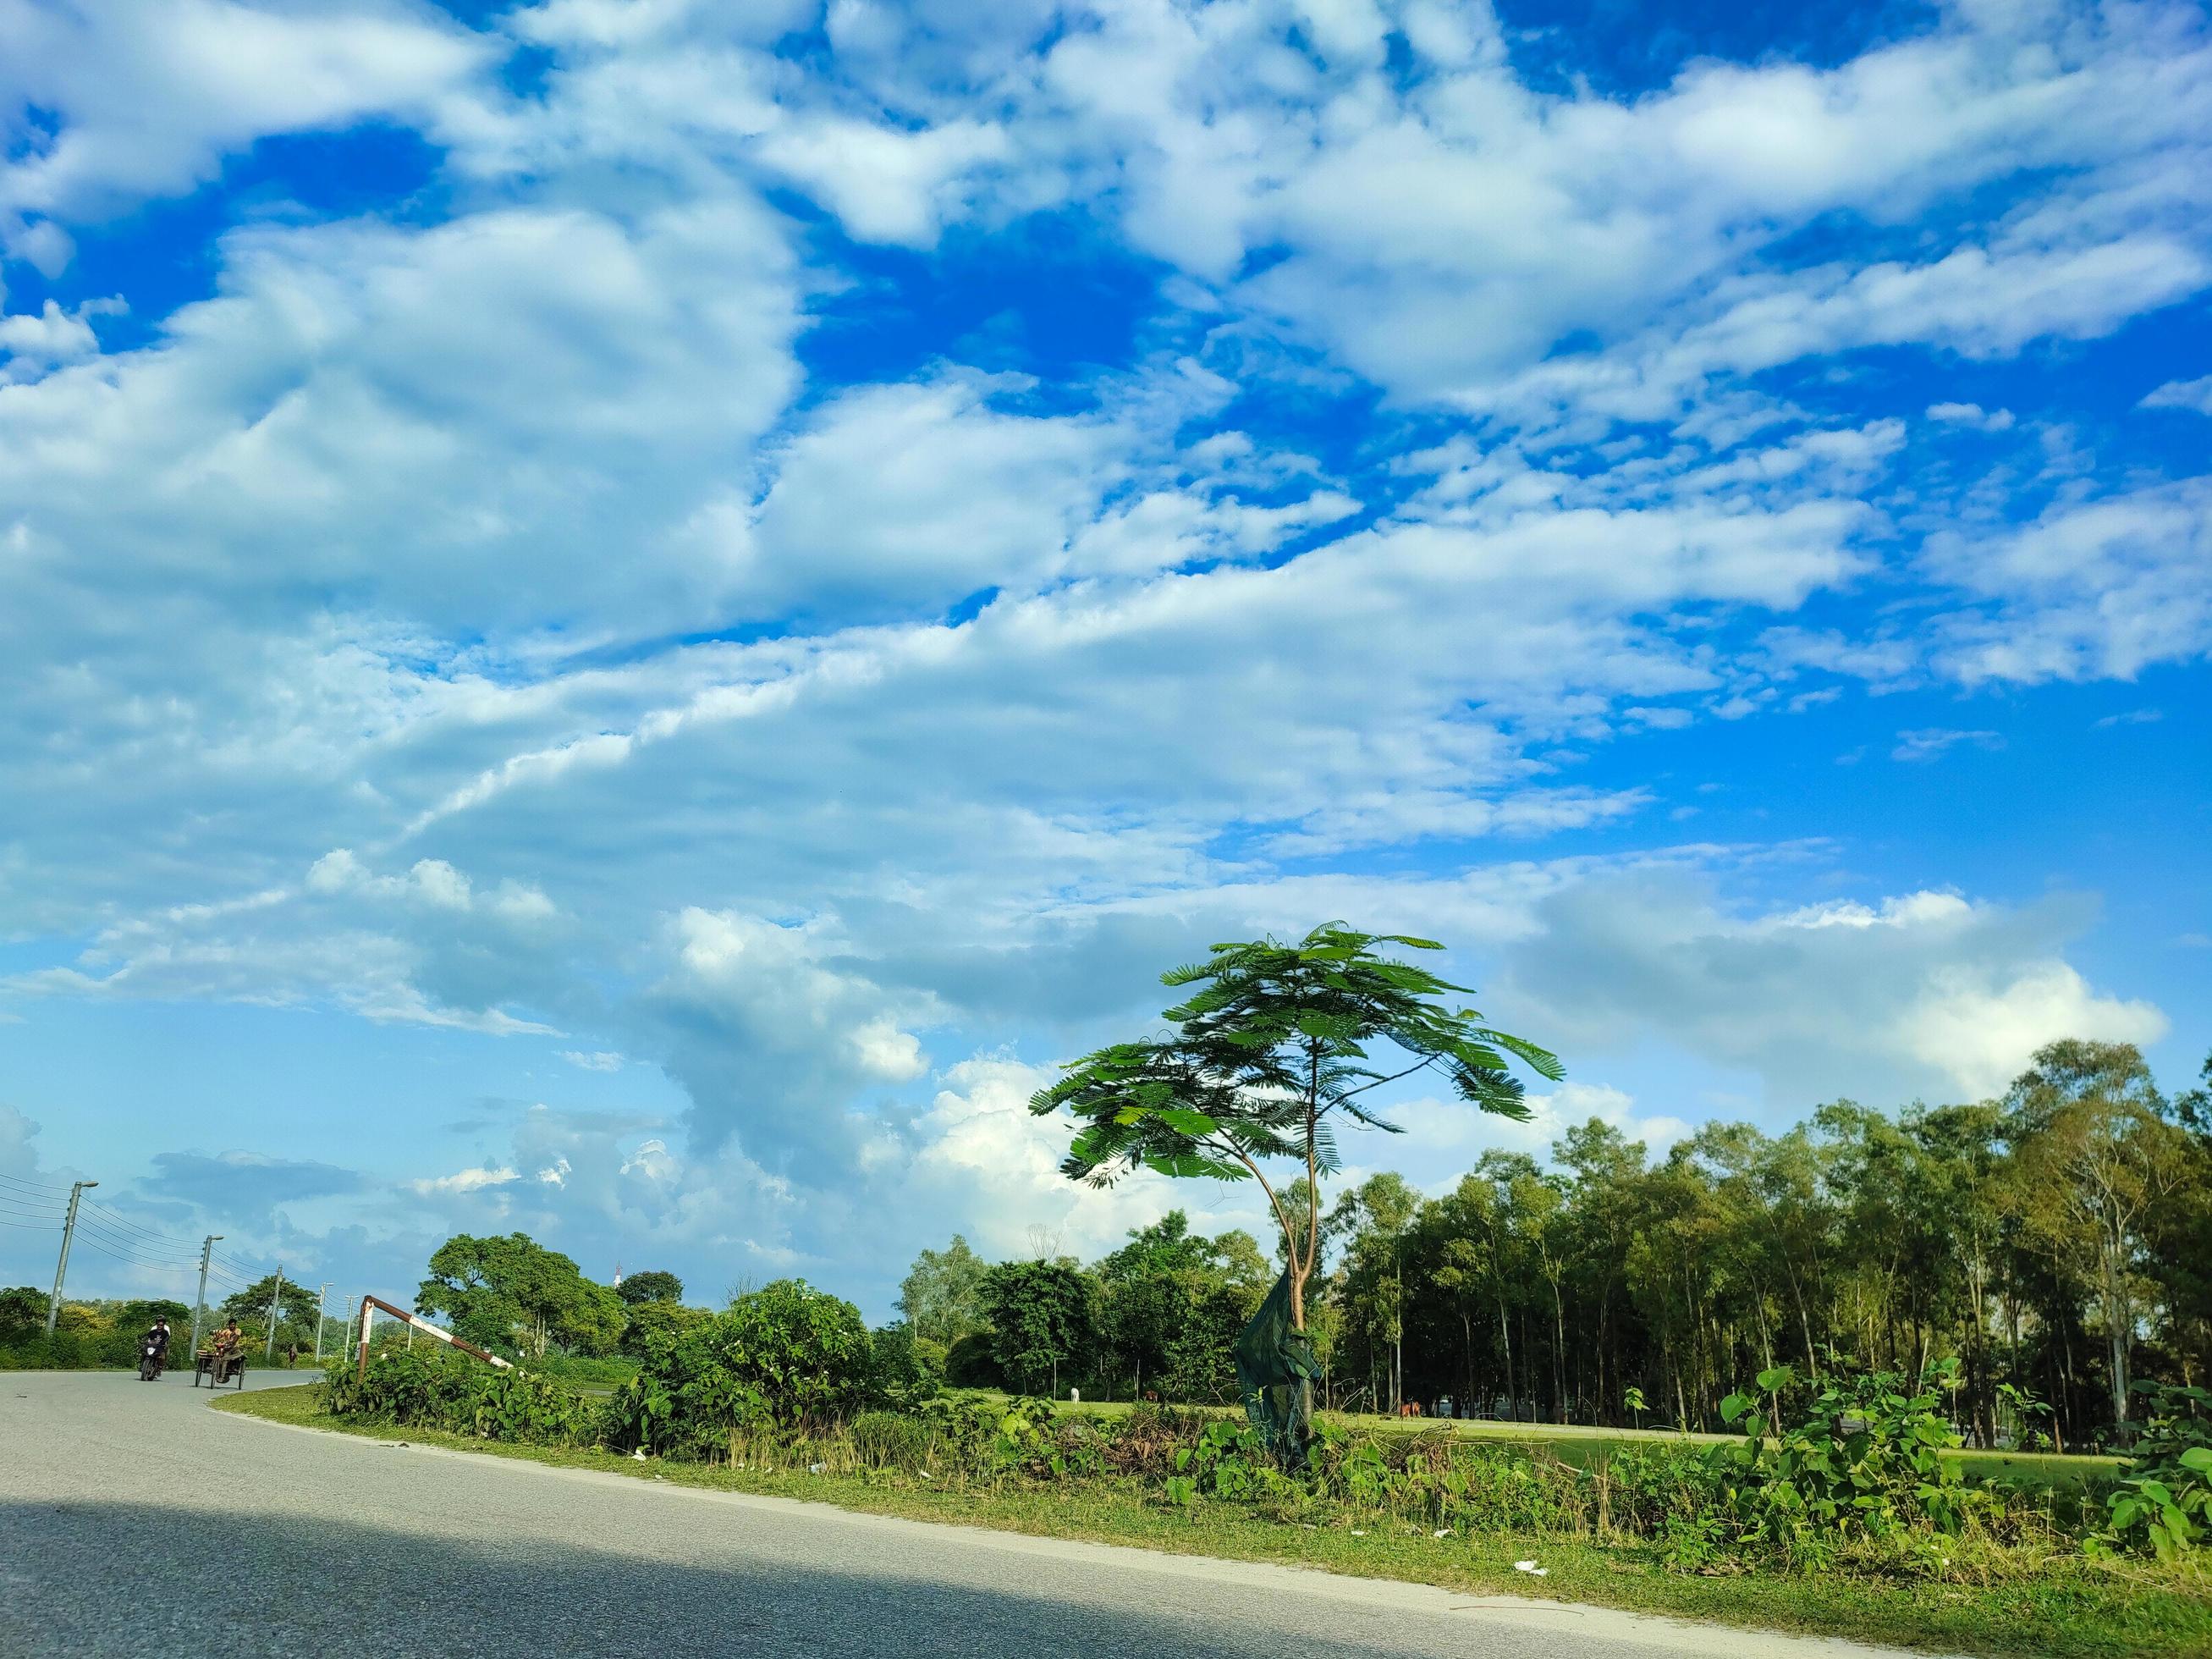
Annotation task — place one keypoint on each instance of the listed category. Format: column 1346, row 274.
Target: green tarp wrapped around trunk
column 1276, row 1371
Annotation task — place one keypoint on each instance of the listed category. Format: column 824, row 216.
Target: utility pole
column 322, row 1298
column 69, row 1232
column 200, row 1302
column 275, row 1291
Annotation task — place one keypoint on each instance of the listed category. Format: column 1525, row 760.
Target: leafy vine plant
column 1274, row 1045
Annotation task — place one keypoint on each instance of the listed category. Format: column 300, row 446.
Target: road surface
column 133, row 1518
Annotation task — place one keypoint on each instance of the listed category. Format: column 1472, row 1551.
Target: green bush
column 2163, row 1499
column 903, row 1373
column 783, row 1359
column 1864, row 1463
column 652, row 1321
column 439, row 1389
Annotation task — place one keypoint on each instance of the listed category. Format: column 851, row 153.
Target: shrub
column 783, row 1359
column 437, row 1388
column 1865, row 1458
column 650, row 1320
column 902, row 1373
column 2163, row 1499
column 22, row 1312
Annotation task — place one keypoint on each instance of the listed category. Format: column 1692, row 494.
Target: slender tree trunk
column 1505, row 1342
column 1467, row 1350
column 1559, row 1353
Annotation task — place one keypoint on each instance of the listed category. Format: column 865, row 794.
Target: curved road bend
column 131, row 1517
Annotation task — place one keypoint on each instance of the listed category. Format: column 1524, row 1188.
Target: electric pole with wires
column 322, row 1301
column 61, row 1267
column 200, row 1302
column 276, row 1292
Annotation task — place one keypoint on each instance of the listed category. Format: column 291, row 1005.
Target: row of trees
column 2057, row 1242
column 512, row 1295
column 1158, row 1315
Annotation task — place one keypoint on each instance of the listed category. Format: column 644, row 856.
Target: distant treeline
column 2057, row 1242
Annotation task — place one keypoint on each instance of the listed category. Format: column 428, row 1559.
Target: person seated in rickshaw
column 227, row 1346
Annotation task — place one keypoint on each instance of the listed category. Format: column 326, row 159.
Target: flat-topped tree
column 1272, row 1048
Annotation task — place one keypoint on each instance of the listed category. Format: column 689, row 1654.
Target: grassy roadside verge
column 1576, row 1442
column 2061, row 1605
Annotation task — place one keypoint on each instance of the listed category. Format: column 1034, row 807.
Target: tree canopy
column 1041, row 1314
column 941, row 1296
column 512, row 1293
column 1269, row 1051
column 652, row 1285
column 296, row 1304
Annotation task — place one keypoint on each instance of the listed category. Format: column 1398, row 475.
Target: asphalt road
column 132, row 1517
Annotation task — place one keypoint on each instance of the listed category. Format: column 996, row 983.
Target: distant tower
column 618, row 1274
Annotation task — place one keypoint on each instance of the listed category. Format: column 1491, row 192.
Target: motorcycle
column 149, row 1360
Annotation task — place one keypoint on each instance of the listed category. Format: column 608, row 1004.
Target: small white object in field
column 1358, row 1533
column 1530, row 1567
column 1441, row 1532
column 815, row 1468
column 639, row 1454
column 1075, row 1396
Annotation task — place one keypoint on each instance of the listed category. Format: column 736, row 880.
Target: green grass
column 2054, row 1603
column 1577, row 1444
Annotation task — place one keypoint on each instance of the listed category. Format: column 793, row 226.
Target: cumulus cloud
column 463, row 1180
column 144, row 104
column 2182, row 394
column 1924, row 994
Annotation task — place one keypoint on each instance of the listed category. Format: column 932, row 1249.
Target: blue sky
column 624, row 617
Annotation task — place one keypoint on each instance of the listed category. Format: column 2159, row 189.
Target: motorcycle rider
column 154, row 1345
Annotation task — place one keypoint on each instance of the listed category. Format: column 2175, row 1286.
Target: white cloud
column 1933, row 743
column 2183, row 394
column 886, row 184
column 1972, row 415
column 601, row 1060
column 146, row 102
column 1976, row 1025
column 463, row 1181
column 2093, row 589
column 1924, row 994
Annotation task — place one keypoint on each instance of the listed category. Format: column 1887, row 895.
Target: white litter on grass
column 1531, row 1567
column 638, row 1456
column 1441, row 1532
column 815, row 1468
column 1358, row 1533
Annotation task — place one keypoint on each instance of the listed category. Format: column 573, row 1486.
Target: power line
column 131, row 1226
column 124, row 1248
column 34, row 1227
column 122, row 1241
column 92, row 1243
column 32, row 1185
column 135, row 1235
